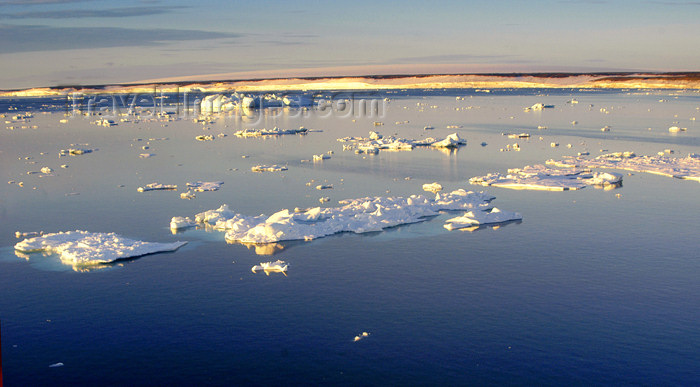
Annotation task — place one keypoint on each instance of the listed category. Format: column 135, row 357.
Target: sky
column 87, row 42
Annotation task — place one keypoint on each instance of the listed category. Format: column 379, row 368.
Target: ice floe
column 269, row 168
column 277, row 266
column 477, row 218
column 679, row 167
column 539, row 177
column 74, row 151
column 157, row 187
column 376, row 142
column 361, row 215
column 202, row 186
column 88, row 248
column 269, row 132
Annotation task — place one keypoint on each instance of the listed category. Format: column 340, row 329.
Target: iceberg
column 87, row 248
column 477, row 218
column 539, row 177
column 679, row 167
column 268, row 267
column 360, row 215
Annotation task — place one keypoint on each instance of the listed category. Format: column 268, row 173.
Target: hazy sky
column 57, row 42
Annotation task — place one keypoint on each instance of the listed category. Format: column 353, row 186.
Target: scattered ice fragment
column 87, row 248
column 268, row 267
column 64, row 166
column 432, row 187
column 356, row 215
column 605, row 128
column 202, row 186
column 324, row 199
column 554, row 144
column 676, row 129
column 360, row 336
column 428, row 128
column 46, row 170
column 321, row 157
column 324, row 186
column 475, row 218
column 268, row 168
column 203, row 137
column 539, row 177
column 146, row 155
column 56, row 365
column 157, row 186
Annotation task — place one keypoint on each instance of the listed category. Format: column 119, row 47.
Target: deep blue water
column 593, row 287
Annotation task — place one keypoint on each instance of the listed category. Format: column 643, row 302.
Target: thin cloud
column 91, row 13
column 25, row 38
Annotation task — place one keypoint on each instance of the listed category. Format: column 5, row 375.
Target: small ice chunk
column 277, row 266
column 324, row 186
column 360, row 336
column 46, row 170
column 56, row 365
column 88, row 248
column 156, row 187
column 432, row 187
column 204, row 137
column 476, row 218
column 451, row 141
column 321, row 157
column 187, row 195
column 146, row 155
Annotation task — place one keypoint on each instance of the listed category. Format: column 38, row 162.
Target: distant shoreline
column 603, row 80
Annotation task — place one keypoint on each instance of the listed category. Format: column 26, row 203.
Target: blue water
column 592, row 287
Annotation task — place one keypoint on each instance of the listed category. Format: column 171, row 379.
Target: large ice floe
column 376, row 142
column 478, row 218
column 679, row 167
column 539, row 177
column 354, row 215
column 80, row 248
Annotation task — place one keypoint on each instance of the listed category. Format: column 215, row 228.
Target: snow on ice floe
column 157, row 187
column 679, row 167
column 269, row 168
column 361, row 215
column 88, row 248
column 277, row 266
column 269, row 132
column 539, row 177
column 478, row 218
column 202, row 186
column 376, row 142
